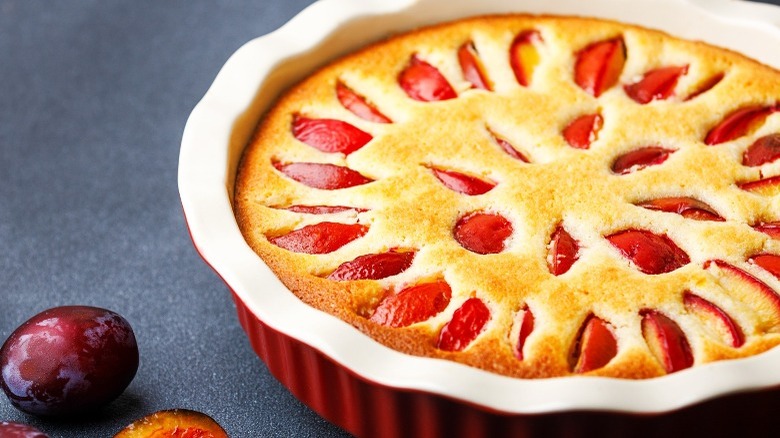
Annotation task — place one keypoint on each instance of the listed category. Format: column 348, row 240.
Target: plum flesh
column 174, row 423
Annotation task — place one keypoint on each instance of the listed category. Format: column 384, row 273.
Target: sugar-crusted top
column 594, row 210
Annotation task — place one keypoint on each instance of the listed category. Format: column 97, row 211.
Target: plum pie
column 535, row 196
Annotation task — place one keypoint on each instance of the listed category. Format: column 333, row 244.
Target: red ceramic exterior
column 369, row 409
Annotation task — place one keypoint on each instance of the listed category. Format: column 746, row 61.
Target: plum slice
column 524, row 321
column 748, row 289
column 425, row 83
column 764, row 150
column 321, row 238
column 508, row 148
column 583, row 131
column 595, row 346
column 772, row 229
column 689, row 208
column 739, row 123
column 322, row 175
column 472, row 67
column 68, row 360
column 706, row 86
column 462, row 183
column 666, row 340
column 322, row 209
column 765, row 187
column 656, row 84
column 770, row 263
column 174, row 423
column 599, row 65
column 10, row 429
column 714, row 317
column 483, row 233
column 466, row 324
column 524, row 56
column 374, row 266
column 413, row 304
column 639, row 159
column 651, row 253
column 329, row 135
column 358, row 105
column 563, row 251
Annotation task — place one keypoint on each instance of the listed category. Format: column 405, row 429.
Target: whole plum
column 18, row 430
column 68, row 360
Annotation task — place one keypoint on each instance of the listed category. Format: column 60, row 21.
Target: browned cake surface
column 406, row 207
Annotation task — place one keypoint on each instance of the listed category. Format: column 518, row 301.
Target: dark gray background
column 94, row 96
column 93, row 99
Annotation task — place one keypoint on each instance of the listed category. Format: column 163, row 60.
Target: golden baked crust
column 407, row 207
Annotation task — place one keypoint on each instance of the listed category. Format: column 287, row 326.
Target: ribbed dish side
column 367, row 409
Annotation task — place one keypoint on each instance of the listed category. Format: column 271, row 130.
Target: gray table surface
column 93, row 99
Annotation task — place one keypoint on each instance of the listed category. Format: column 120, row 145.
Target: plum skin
column 18, row 430
column 68, row 361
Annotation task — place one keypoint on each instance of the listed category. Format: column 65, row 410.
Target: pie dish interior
column 224, row 249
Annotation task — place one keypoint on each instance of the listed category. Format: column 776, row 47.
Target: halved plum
column 639, row 159
column 374, row 266
column 563, row 251
column 322, row 209
column 483, row 233
column 666, row 340
column 321, row 238
column 472, row 67
column 322, row 175
column 466, row 324
column 739, row 123
column 765, row 187
column 714, row 317
column 689, row 208
column 599, row 65
column 358, row 105
column 706, row 86
column 583, row 131
column 462, row 183
column 508, row 148
column 524, row 321
column 764, row 150
column 770, row 263
column 595, row 346
column 329, row 135
column 425, row 83
column 651, row 253
column 413, row 304
column 524, row 56
column 174, row 423
column 656, row 84
column 772, row 228
column 748, row 289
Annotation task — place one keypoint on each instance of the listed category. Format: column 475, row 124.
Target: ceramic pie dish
column 358, row 383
